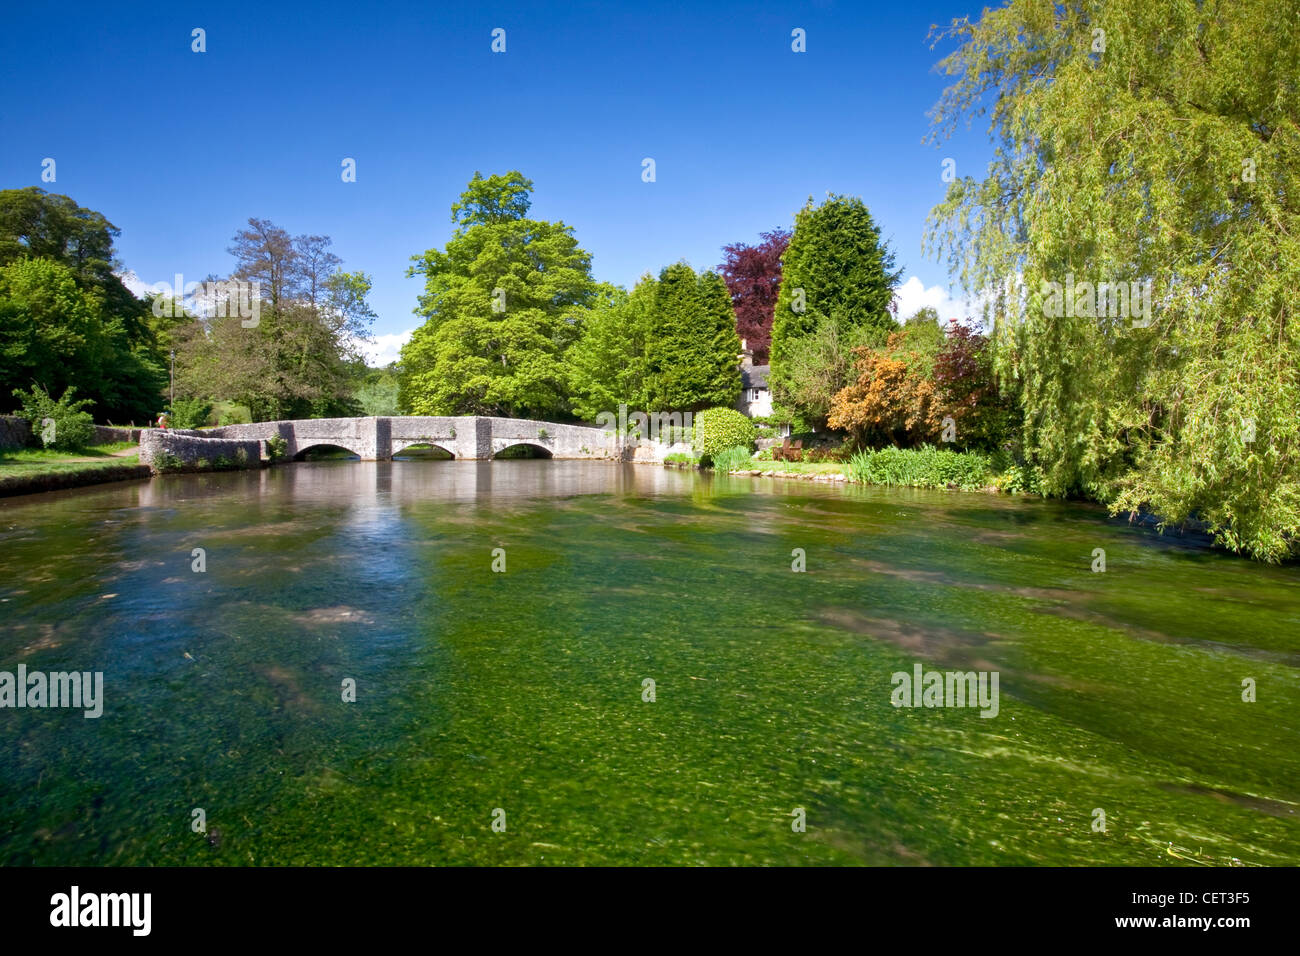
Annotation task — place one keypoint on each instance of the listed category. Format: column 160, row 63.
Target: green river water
column 522, row 691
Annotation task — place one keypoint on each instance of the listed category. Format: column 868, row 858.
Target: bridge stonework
column 380, row 438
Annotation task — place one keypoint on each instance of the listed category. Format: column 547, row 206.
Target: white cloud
column 913, row 295
column 384, row 348
column 138, row 287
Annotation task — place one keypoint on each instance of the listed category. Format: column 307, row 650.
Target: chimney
column 746, row 355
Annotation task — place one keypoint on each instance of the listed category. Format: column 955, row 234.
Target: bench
column 788, row 451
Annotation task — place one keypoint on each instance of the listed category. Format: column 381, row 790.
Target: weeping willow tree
column 1153, row 144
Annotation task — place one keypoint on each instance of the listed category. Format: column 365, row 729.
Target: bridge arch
column 342, row 443
column 401, row 445
column 520, row 449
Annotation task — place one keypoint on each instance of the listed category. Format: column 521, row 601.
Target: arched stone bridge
column 471, row 436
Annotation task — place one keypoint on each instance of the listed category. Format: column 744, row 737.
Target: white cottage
column 755, row 396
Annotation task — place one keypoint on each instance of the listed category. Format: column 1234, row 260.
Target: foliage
column 732, row 459
column 377, row 390
column 717, row 429
column 606, row 367
column 820, row 364
column 679, row 458
column 892, row 402
column 61, row 423
column 753, row 278
column 963, row 373
column 692, row 346
column 501, row 304
column 1013, row 475
column 35, row 224
column 821, row 453
column 924, row 467
column 57, row 330
column 230, row 413
column 1168, row 154
column 277, row 447
column 167, row 462
column 840, row 267
column 189, row 413
column 298, row 359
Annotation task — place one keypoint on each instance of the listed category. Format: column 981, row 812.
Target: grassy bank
column 29, row 470
column 925, row 467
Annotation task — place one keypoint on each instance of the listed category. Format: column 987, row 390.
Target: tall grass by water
column 925, row 467
column 730, row 459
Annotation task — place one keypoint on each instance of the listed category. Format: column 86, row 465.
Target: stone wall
column 14, row 431
column 655, row 451
column 107, row 434
column 191, row 447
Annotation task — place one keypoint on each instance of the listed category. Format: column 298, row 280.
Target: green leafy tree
column 1141, row 141
column 55, row 332
column 65, row 316
column 189, row 413
column 836, row 265
column 39, row 225
column 296, row 359
column 501, row 304
column 607, row 365
column 376, row 390
column 692, row 348
column 818, row 365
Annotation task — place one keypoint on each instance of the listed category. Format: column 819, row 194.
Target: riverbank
column 28, row 471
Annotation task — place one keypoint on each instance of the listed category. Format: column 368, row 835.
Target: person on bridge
column 162, row 421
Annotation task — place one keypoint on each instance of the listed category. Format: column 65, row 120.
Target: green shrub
column 924, row 467
column 717, row 429
column 1014, row 476
column 57, row 424
column 165, row 461
column 189, row 413
column 277, row 447
column 679, row 458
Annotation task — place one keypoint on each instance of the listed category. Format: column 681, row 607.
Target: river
column 504, row 717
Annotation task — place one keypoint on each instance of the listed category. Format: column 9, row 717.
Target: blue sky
column 179, row 148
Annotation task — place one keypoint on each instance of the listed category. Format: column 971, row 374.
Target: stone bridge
column 472, row 437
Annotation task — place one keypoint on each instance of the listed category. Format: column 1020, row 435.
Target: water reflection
column 404, row 482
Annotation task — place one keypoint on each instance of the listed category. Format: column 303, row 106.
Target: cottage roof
column 754, row 376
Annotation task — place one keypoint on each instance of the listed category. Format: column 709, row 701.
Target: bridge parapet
column 468, row 436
